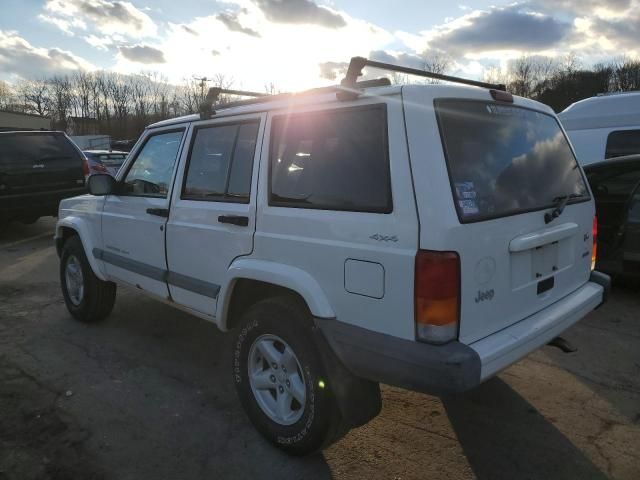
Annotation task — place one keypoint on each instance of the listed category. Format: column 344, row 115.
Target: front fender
column 285, row 276
column 83, row 229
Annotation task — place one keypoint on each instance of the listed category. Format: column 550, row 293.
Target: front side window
column 221, row 163
column 622, row 142
column 152, row 170
column 331, row 160
column 504, row 160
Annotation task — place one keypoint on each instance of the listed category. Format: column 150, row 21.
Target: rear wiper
column 559, row 204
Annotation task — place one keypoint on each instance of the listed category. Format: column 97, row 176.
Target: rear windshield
column 36, row 148
column 504, row 160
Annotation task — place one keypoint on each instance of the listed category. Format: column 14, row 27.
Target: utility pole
column 203, row 83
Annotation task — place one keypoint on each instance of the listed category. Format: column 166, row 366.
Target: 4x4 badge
column 384, row 238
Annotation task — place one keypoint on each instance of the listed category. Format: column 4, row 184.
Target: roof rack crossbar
column 357, row 64
column 206, row 107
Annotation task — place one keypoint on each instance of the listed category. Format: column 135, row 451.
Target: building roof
column 25, row 114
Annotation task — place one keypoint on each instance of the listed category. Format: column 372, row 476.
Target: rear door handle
column 158, row 212
column 240, row 221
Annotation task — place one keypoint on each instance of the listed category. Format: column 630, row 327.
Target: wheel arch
column 253, row 280
column 70, row 226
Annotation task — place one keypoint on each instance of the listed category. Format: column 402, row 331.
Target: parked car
column 616, row 187
column 103, row 161
column 37, row 170
column 423, row 236
column 605, row 126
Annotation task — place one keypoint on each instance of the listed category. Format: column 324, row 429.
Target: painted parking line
column 26, row 240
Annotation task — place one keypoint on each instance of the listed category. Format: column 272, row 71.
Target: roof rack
column 357, row 64
column 206, row 108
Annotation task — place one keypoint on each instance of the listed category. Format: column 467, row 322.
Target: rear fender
column 278, row 274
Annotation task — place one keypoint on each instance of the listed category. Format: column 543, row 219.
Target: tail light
column 98, row 167
column 437, row 296
column 85, row 168
column 594, row 235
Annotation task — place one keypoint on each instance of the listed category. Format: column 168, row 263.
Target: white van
column 603, row 127
column 423, row 236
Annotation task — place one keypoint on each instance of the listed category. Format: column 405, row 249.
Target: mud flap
column 358, row 399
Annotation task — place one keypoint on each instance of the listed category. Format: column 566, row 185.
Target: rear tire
column 88, row 298
column 312, row 421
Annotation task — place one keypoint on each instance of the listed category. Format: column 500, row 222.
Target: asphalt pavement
column 147, row 394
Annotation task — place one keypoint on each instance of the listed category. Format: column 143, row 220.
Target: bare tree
column 61, row 99
column 436, row 62
column 194, row 90
column 35, row 96
column 271, row 89
column 494, row 74
column 6, row 96
column 626, row 74
column 83, row 90
column 159, row 92
column 120, row 94
column 570, row 63
column 526, row 73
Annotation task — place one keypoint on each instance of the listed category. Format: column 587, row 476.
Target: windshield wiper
column 559, row 204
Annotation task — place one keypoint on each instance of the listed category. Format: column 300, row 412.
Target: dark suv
column 37, row 170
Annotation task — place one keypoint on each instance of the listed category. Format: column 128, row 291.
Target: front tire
column 281, row 380
column 88, row 298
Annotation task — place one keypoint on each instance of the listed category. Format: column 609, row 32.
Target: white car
column 605, row 126
column 423, row 236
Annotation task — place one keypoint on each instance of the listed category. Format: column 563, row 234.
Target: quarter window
column 221, row 163
column 623, row 142
column 331, row 160
column 152, row 170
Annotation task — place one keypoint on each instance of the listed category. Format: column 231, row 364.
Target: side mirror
column 101, row 184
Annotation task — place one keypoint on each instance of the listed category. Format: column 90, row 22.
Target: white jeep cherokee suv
column 423, row 236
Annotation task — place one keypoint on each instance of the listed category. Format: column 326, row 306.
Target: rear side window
column 221, row 163
column 623, row 142
column 331, row 160
column 36, row 148
column 504, row 160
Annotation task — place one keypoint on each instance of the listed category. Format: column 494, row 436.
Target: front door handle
column 158, row 212
column 240, row 221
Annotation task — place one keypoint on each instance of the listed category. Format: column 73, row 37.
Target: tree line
column 119, row 105
column 122, row 105
column 559, row 83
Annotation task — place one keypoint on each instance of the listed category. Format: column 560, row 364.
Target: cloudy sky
column 301, row 43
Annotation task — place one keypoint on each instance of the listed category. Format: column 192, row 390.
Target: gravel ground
column 148, row 395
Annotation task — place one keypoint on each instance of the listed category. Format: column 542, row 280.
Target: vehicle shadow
column 502, row 434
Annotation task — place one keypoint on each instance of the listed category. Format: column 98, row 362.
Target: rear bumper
column 507, row 346
column 434, row 369
column 455, row 367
